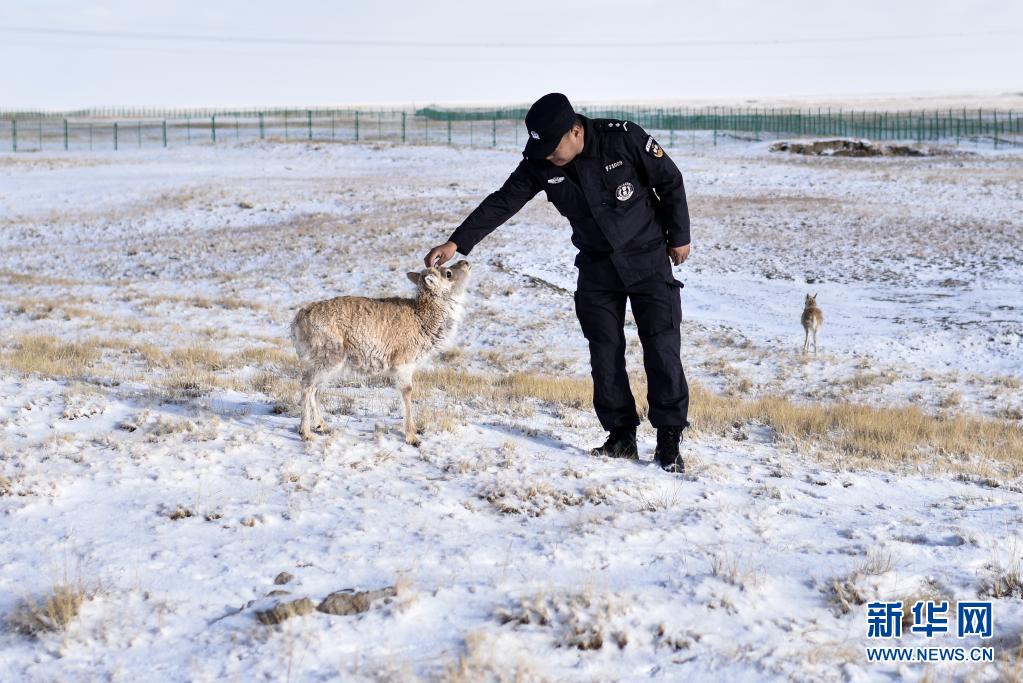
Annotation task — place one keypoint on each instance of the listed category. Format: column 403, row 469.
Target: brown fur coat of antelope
column 363, row 336
column 812, row 319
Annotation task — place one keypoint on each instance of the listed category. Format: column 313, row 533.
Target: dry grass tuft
column 36, row 354
column 1010, row 663
column 568, row 391
column 853, row 435
column 481, row 661
column 54, row 612
column 1004, row 582
column 733, row 569
column 282, row 390
column 189, row 382
column 539, row 497
column 583, row 621
column 886, row 438
column 845, row 592
column 197, row 357
column 433, row 419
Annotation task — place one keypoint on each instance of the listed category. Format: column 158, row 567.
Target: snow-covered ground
column 175, row 498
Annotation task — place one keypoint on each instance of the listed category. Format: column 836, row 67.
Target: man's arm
column 496, row 209
column 663, row 175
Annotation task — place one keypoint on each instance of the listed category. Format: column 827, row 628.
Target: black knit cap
column 547, row 121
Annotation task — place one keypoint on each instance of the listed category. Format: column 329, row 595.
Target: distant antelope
column 812, row 320
column 375, row 336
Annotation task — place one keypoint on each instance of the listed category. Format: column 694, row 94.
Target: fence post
column 449, row 128
column 994, row 128
column 309, row 122
column 403, row 127
column 356, row 125
column 493, row 132
column 14, row 135
column 115, row 136
column 40, row 134
column 65, row 135
column 332, row 125
column 213, row 128
column 262, row 129
column 164, row 131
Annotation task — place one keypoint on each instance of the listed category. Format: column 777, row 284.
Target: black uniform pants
column 657, row 307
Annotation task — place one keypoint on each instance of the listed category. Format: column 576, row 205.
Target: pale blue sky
column 473, row 51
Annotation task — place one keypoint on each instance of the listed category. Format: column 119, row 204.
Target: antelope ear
column 431, row 280
column 413, row 278
column 815, row 295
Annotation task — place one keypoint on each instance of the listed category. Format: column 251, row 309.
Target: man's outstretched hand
column 678, row 254
column 440, row 255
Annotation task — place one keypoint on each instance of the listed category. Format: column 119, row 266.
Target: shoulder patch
column 652, row 148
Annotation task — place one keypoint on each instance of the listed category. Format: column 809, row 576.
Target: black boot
column 666, row 454
column 621, row 443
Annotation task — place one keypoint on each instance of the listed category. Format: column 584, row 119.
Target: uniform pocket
column 623, row 188
column 567, row 200
column 656, row 306
column 675, row 294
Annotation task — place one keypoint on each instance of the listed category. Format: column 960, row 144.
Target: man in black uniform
column 627, row 206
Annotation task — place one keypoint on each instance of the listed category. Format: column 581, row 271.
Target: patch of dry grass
column 847, row 434
column 845, row 592
column 575, row 392
column 585, row 621
column 64, row 309
column 538, row 497
column 871, row 436
column 434, row 419
column 53, row 612
column 282, row 390
column 733, row 569
column 197, row 357
column 226, row 302
column 16, row 278
column 852, row 435
column 1010, row 663
column 190, row 382
column 190, row 370
column 1004, row 581
column 36, row 354
column 481, row 661
column 866, row 380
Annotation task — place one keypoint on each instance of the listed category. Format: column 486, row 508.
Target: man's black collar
column 589, row 137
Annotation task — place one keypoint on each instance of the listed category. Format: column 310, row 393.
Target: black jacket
column 623, row 196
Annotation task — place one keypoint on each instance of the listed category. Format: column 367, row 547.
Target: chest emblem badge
column 624, row 192
column 533, row 134
column 555, row 180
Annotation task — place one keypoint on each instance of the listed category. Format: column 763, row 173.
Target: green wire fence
column 121, row 128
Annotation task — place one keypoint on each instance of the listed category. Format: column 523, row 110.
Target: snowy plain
column 178, row 504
